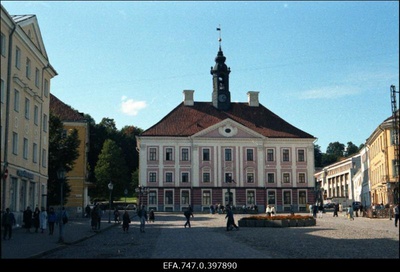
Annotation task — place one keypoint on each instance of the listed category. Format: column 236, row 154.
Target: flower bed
column 278, row 221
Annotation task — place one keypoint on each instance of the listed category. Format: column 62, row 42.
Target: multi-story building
column 383, row 171
column 25, row 97
column 205, row 153
column 77, row 177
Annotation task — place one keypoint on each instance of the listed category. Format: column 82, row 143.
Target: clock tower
column 221, row 97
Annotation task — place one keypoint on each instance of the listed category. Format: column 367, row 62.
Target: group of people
column 39, row 219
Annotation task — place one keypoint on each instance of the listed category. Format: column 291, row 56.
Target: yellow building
column 77, row 177
column 383, row 171
column 25, row 97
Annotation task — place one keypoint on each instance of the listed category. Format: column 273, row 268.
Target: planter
column 277, row 223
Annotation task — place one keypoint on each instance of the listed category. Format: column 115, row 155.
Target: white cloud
column 131, row 107
column 330, row 92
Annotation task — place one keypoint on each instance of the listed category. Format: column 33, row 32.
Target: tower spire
column 219, row 39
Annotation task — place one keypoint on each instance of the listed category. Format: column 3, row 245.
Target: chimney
column 253, row 99
column 188, row 97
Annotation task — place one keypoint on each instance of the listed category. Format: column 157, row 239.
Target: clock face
column 222, row 97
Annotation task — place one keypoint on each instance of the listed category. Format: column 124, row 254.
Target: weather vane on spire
column 219, row 39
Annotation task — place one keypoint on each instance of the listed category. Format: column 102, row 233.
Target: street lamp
column 61, row 177
column 141, row 191
column 110, row 187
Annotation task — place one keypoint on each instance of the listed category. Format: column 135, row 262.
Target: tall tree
column 336, row 149
column 351, row 149
column 63, row 151
column 317, row 156
column 111, row 167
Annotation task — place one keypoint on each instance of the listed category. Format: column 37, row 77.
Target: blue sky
column 324, row 67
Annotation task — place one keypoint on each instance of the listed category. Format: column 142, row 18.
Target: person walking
column 125, row 221
column 116, row 216
column 36, row 219
column 88, row 211
column 396, row 214
column 142, row 214
column 8, row 221
column 43, row 219
column 230, row 223
column 335, row 210
column 52, row 218
column 27, row 219
column 151, row 216
column 350, row 213
column 188, row 213
column 94, row 218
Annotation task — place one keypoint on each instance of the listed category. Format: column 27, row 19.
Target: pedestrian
column 27, row 219
column 315, row 210
column 335, row 209
column 64, row 216
column 230, row 222
column 88, row 211
column 268, row 210
column 52, row 218
column 36, row 219
column 310, row 207
column 116, row 216
column 396, row 214
column 8, row 221
column 320, row 210
column 350, row 213
column 151, row 216
column 94, row 218
column 43, row 219
column 125, row 221
column 188, row 213
column 142, row 214
column 99, row 214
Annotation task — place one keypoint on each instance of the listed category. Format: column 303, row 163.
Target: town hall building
column 224, row 152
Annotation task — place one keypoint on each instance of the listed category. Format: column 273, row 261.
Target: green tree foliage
column 111, row 166
column 317, row 156
column 351, row 149
column 336, row 149
column 63, row 151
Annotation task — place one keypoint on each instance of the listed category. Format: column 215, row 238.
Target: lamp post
column 141, row 190
column 61, row 177
column 110, row 187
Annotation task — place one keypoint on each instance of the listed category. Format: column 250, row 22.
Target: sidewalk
column 24, row 245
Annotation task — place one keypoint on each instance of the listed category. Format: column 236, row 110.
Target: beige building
column 26, row 74
column 383, row 172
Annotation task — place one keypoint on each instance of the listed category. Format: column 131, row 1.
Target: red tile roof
column 64, row 112
column 188, row 120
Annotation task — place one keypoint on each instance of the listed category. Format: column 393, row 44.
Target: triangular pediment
column 227, row 128
column 31, row 28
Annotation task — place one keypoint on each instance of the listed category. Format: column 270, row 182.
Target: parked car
column 131, row 207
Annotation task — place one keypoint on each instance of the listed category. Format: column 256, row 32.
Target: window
column 35, row 153
column 28, row 68
column 25, row 153
column 152, row 198
column 286, row 178
column 302, row 198
column 3, row 44
column 270, row 154
column 300, row 155
column 250, row 154
column 184, row 177
column 152, row 177
column 15, row 143
column 185, row 198
column 206, row 177
column 168, row 177
column 228, row 178
column 206, row 154
column 287, row 198
column 271, row 178
column 17, row 57
column 302, row 177
column 16, row 100
column 250, row 177
column 185, row 154
column 285, row 154
column 37, row 77
column 206, row 198
column 36, row 115
column 46, row 88
column 44, row 158
column 169, row 197
column 271, row 197
column 228, row 154
column 3, row 91
column 168, row 154
column 27, row 108
column 44, row 122
column 152, row 154
column 250, row 198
